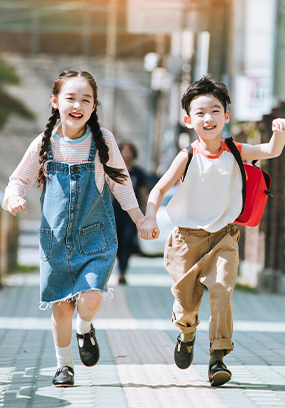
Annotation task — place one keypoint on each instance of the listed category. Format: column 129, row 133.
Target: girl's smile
column 75, row 103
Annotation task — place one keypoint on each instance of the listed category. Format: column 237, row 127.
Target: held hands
column 278, row 125
column 148, row 229
column 16, row 204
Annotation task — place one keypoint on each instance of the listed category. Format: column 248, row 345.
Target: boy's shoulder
column 198, row 150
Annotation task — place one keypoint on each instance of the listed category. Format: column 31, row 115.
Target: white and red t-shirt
column 210, row 196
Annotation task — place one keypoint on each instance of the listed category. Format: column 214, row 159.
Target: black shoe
column 89, row 352
column 122, row 280
column 182, row 358
column 64, row 377
column 218, row 373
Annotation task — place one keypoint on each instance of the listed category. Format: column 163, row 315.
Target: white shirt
column 210, row 197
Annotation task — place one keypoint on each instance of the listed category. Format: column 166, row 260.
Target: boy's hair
column 103, row 150
column 206, row 86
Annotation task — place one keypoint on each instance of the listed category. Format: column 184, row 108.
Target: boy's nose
column 208, row 117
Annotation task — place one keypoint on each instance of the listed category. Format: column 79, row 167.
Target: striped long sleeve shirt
column 72, row 152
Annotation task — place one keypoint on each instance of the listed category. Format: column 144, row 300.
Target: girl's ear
column 54, row 102
column 187, row 121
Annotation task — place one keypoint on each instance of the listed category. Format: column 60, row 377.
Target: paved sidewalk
column 137, row 339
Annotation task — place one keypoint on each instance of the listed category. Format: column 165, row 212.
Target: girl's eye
column 69, row 98
column 86, row 100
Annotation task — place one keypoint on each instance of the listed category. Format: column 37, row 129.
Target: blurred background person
column 125, row 231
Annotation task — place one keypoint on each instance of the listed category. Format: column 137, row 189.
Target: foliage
column 8, row 103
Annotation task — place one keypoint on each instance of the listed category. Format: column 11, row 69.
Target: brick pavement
column 136, row 338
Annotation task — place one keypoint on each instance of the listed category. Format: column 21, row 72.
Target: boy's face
column 207, row 117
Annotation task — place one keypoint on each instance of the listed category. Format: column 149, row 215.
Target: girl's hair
column 206, row 86
column 103, row 150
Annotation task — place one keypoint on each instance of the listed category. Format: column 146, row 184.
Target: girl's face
column 75, row 103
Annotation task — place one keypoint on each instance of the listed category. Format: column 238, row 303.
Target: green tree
column 8, row 103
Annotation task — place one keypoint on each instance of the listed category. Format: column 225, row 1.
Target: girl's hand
column 16, row 204
column 278, row 125
column 149, row 230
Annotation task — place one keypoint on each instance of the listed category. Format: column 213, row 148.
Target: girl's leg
column 61, row 320
column 88, row 306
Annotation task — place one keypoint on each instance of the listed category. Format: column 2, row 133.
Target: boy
column 202, row 249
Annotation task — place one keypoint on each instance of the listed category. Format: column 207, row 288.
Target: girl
column 74, row 163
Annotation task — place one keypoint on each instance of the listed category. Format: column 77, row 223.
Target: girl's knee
column 90, row 301
column 63, row 309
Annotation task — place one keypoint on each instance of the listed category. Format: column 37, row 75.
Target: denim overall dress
column 78, row 241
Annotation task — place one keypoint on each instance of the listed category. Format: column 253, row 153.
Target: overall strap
column 236, row 153
column 92, row 151
column 190, row 155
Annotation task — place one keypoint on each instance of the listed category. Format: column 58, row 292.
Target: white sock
column 64, row 356
column 82, row 326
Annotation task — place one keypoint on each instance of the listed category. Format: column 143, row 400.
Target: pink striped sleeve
column 124, row 193
column 25, row 174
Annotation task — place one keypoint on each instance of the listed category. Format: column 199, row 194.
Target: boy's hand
column 278, row 125
column 16, row 204
column 149, row 230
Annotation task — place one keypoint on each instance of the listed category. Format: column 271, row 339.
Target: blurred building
column 144, row 54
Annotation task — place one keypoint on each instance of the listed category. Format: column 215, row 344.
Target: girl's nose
column 76, row 105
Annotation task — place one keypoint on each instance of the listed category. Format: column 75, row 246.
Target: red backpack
column 256, row 185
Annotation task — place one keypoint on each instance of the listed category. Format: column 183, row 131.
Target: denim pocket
column 45, row 243
column 93, row 239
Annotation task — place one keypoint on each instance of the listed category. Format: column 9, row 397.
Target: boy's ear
column 54, row 103
column 227, row 116
column 187, row 121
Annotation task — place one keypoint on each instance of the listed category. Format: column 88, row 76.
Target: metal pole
column 110, row 65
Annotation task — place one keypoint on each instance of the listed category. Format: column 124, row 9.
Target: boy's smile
column 207, row 117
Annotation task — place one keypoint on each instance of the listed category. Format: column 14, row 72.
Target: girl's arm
column 16, row 204
column 267, row 150
column 22, row 179
column 149, row 228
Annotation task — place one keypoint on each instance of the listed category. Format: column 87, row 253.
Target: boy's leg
column 61, row 321
column 184, row 248
column 221, row 265
column 88, row 306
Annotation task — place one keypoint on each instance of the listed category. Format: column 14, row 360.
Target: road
column 137, row 340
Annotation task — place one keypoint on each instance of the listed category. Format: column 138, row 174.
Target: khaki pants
column 197, row 258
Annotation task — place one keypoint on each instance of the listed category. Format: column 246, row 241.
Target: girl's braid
column 42, row 174
column 103, row 150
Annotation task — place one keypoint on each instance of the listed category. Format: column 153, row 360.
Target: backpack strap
column 236, row 153
column 190, row 155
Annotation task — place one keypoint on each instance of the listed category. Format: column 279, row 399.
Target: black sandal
column 183, row 359
column 218, row 373
column 89, row 352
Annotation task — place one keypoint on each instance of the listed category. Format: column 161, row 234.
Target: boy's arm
column 175, row 171
column 267, row 150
